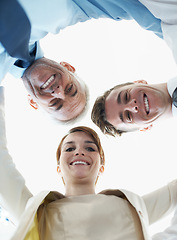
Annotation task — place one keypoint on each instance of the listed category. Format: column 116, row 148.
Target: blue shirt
column 54, row 15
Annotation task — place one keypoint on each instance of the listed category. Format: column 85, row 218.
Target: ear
column 68, row 66
column 101, row 170
column 59, row 172
column 146, row 128
column 58, row 169
column 32, row 103
column 141, row 81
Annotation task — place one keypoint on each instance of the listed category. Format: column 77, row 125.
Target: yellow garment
column 33, row 232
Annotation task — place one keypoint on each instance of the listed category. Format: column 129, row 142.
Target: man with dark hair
column 134, row 106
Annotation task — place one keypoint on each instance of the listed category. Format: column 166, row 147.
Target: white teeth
column 146, row 103
column 48, row 82
column 79, row 163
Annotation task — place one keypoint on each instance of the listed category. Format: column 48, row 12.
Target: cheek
column 63, row 169
column 64, row 158
column 29, row 87
column 97, row 160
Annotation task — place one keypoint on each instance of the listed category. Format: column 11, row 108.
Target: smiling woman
column 111, row 214
column 79, row 154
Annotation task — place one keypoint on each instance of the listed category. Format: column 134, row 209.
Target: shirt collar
column 17, row 72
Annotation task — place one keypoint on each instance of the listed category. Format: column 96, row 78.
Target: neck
column 79, row 189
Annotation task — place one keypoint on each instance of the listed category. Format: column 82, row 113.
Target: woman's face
column 80, row 159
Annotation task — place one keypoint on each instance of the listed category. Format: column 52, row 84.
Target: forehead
column 78, row 137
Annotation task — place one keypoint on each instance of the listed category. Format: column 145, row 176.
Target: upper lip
column 80, row 160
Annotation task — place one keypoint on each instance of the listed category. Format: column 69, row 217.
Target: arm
column 161, row 202
column 13, row 192
column 166, row 12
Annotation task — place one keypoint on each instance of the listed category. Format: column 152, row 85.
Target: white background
column 104, row 53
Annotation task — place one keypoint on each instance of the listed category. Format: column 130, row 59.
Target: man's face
column 136, row 106
column 55, row 89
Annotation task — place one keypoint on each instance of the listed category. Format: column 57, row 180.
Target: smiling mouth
column 46, row 84
column 146, row 104
column 79, row 163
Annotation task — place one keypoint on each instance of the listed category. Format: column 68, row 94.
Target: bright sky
column 104, row 53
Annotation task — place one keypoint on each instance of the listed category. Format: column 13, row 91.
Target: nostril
column 58, row 86
column 135, row 101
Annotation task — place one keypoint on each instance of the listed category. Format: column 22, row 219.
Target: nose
column 132, row 106
column 58, row 92
column 79, row 153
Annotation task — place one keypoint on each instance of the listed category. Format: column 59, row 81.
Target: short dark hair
column 98, row 114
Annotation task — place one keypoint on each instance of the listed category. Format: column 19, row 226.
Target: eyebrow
column 59, row 107
column 119, row 97
column 90, row 142
column 119, row 102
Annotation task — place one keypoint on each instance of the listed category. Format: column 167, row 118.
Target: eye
column 53, row 102
column 90, row 149
column 69, row 88
column 126, row 97
column 70, row 149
